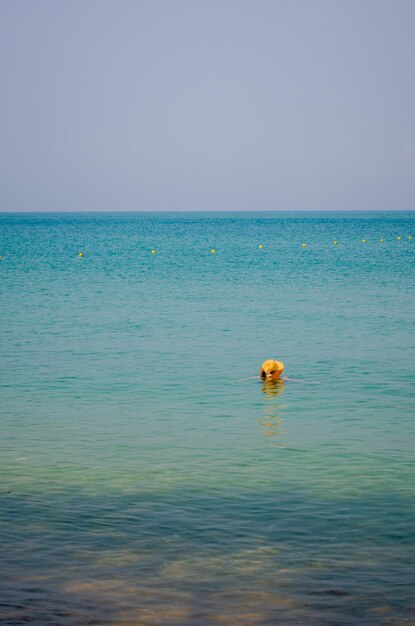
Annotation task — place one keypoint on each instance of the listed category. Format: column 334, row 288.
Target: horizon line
column 112, row 211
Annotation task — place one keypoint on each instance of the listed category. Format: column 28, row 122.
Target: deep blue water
column 140, row 485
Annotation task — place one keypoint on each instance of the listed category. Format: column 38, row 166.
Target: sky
column 159, row 105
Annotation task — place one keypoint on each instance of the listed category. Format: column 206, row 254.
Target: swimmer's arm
column 283, row 378
column 297, row 380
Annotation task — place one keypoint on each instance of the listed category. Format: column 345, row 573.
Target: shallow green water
column 140, row 485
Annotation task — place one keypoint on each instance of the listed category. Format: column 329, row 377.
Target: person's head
column 271, row 370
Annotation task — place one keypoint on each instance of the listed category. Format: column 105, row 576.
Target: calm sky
column 207, row 105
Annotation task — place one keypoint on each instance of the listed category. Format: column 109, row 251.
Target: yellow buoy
column 212, row 251
column 153, row 252
column 260, row 247
column 363, row 240
column 382, row 240
column 410, row 237
column 80, row 254
column 334, row 243
column 398, row 238
column 303, row 245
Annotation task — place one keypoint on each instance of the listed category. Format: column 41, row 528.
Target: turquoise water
column 140, row 485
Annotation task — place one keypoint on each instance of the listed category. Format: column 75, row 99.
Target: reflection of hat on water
column 271, row 369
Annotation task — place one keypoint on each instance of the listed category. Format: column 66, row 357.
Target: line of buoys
column 261, row 246
column 335, row 243
column 364, row 241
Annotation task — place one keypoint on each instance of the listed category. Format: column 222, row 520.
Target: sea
column 148, row 477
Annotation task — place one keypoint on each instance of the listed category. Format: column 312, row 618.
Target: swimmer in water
column 271, row 371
